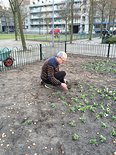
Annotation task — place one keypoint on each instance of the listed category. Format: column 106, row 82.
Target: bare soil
column 38, row 121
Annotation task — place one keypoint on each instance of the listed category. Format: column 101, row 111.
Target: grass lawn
column 42, row 37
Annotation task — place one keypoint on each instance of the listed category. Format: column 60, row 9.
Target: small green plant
column 75, row 99
column 114, row 118
column 95, row 104
column 72, row 109
column 93, row 141
column 29, row 122
column 62, row 97
column 102, row 139
column 53, row 105
column 66, row 104
column 82, row 119
column 75, row 137
column 92, row 109
column 113, row 132
column 103, row 125
column 100, row 115
column 72, row 123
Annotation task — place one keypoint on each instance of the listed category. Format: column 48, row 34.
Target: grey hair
column 62, row 55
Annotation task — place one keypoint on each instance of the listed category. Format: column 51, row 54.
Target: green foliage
column 103, row 125
column 93, row 141
column 102, row 139
column 53, row 105
column 114, row 118
column 104, row 66
column 113, row 132
column 75, row 137
column 111, row 40
column 82, row 119
column 72, row 123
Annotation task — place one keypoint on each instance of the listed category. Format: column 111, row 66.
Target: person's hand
column 64, row 86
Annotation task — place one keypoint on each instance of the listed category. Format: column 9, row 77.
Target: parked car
column 56, row 31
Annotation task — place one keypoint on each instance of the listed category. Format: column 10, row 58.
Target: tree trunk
column 71, row 31
column 21, row 27
column 15, row 26
column 101, row 27
column 91, row 19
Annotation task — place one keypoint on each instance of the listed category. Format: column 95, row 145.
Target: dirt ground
column 38, row 121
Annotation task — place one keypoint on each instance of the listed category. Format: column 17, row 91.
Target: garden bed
column 39, row 121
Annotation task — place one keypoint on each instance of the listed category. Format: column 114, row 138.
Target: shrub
column 111, row 40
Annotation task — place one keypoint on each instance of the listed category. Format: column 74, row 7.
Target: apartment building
column 45, row 15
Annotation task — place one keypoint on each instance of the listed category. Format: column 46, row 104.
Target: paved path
column 12, row 43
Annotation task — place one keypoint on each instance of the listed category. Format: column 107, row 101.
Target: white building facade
column 45, row 15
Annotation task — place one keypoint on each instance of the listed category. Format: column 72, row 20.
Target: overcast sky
column 4, row 2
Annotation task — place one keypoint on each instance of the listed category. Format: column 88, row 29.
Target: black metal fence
column 38, row 52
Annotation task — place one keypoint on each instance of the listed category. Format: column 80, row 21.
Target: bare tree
column 91, row 17
column 71, row 34
column 65, row 14
column 6, row 14
column 47, row 19
column 111, row 13
column 102, row 9
column 16, row 9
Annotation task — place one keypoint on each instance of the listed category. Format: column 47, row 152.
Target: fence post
column 65, row 46
column 40, row 51
column 108, row 51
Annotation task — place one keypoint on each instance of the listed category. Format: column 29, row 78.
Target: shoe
column 44, row 84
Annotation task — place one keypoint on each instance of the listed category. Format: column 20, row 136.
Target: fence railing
column 43, row 51
column 100, row 50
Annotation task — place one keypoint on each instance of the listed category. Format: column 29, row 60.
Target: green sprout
column 82, row 119
column 75, row 137
column 92, row 108
column 75, row 99
column 66, row 104
column 103, row 125
column 72, row 123
column 93, row 141
column 53, row 105
column 114, row 118
column 102, row 139
column 72, row 109
column 113, row 132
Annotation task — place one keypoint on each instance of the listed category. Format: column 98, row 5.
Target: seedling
column 92, row 108
column 102, row 139
column 95, row 104
column 29, row 122
column 103, row 125
column 53, row 105
column 113, row 132
column 114, row 118
column 72, row 109
column 72, row 123
column 75, row 99
column 65, row 103
column 62, row 97
column 82, row 119
column 100, row 115
column 75, row 137
column 93, row 141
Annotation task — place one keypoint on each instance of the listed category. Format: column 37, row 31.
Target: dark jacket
column 49, row 68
